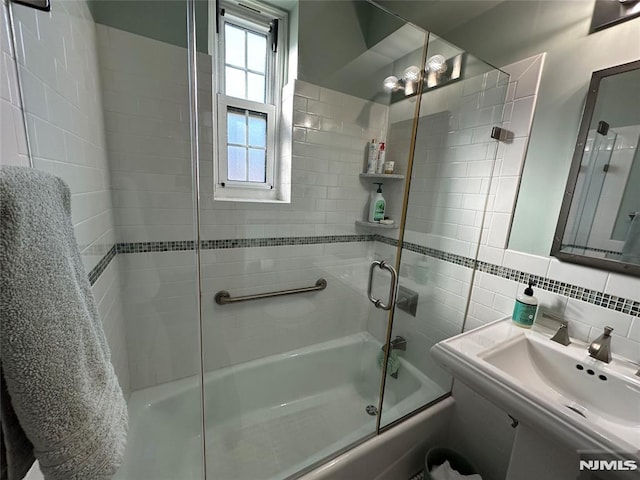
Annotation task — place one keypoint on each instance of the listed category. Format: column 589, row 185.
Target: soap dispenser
column 524, row 311
column 377, row 205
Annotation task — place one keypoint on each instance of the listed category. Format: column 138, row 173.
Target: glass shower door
column 290, row 380
column 451, row 173
column 105, row 91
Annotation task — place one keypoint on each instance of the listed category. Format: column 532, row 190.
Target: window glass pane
column 257, row 165
column 237, row 163
column 256, row 52
column 234, row 46
column 236, row 128
column 234, row 82
column 257, row 130
column 255, row 87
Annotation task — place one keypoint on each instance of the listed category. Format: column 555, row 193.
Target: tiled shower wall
column 146, row 108
column 57, row 59
column 13, row 140
column 452, row 169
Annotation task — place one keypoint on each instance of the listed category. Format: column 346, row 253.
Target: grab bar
column 223, row 297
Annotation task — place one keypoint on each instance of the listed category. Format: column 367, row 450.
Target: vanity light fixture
column 439, row 71
column 392, row 84
column 437, row 64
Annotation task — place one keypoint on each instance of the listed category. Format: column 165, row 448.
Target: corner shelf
column 389, row 176
column 381, row 226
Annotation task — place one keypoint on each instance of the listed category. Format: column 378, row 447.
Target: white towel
column 446, row 472
column 61, row 386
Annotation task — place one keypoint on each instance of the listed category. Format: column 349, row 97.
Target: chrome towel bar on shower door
column 392, row 288
column 223, row 297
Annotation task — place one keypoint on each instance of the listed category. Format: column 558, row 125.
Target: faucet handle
column 608, row 330
column 562, row 335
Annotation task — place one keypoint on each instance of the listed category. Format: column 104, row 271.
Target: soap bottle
column 377, row 205
column 372, row 157
column 524, row 311
column 381, row 157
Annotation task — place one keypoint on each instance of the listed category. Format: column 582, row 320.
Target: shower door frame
column 498, row 134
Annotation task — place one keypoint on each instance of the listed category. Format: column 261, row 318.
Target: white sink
column 587, row 403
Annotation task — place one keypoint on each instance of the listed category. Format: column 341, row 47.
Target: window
column 248, row 83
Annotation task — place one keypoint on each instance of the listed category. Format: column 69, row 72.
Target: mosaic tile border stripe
column 595, row 297
column 605, row 300
column 144, row 247
column 102, row 265
column 428, row 251
column 590, row 249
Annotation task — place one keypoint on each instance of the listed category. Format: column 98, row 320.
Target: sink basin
column 549, row 371
column 587, row 403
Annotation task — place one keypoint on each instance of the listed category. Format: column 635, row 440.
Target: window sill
column 249, row 200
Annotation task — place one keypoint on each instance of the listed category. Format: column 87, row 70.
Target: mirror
column 599, row 223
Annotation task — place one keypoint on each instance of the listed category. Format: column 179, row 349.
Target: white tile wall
column 493, row 298
column 146, row 111
column 57, row 60
column 106, row 291
column 147, row 125
column 161, row 305
column 522, row 91
column 13, row 140
column 454, row 161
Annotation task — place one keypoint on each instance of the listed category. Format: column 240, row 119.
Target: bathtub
column 268, row 418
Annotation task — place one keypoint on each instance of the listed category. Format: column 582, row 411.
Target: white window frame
column 224, row 101
column 250, row 15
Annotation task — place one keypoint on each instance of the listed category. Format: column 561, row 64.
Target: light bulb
column 437, row 64
column 411, row 74
column 391, row 83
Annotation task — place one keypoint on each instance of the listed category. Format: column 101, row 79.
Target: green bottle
column 524, row 311
column 377, row 205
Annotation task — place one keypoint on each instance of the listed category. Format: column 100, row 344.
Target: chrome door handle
column 392, row 288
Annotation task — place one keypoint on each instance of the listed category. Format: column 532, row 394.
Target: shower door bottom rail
column 223, row 297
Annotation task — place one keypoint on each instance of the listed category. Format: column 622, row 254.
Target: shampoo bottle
column 381, row 157
column 377, row 205
column 524, row 311
column 372, row 157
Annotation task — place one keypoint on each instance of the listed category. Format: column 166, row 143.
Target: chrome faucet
column 600, row 348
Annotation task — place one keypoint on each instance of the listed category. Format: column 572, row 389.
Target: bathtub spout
column 398, row 343
column 393, row 362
